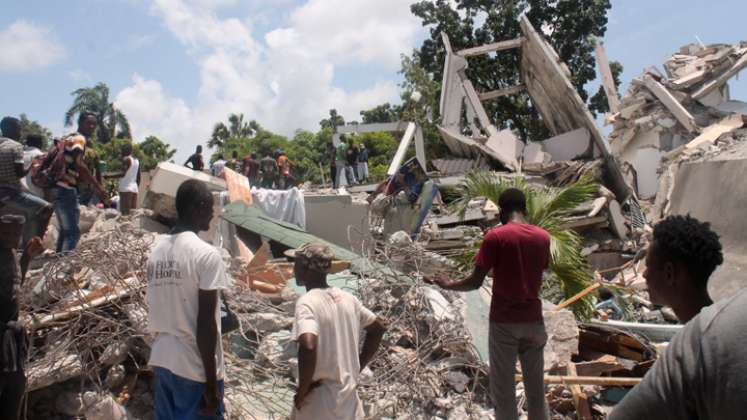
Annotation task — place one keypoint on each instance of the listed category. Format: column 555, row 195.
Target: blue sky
column 178, row 66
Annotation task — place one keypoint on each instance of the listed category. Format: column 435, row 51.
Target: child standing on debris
column 703, row 373
column 12, row 333
column 328, row 323
column 517, row 253
column 185, row 276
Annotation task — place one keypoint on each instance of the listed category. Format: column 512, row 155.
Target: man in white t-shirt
column 185, row 275
column 328, row 326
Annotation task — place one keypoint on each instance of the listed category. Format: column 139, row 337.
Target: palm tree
column 546, row 208
column 236, row 128
column 112, row 122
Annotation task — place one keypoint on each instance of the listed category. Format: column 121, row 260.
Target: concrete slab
column 337, row 219
column 166, row 181
column 715, row 192
column 568, row 146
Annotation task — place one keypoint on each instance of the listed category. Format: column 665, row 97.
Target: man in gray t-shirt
column 703, row 373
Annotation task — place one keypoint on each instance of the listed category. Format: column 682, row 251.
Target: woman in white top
column 130, row 181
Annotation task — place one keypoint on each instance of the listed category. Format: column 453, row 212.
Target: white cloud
column 78, row 75
column 27, row 46
column 286, row 79
column 152, row 112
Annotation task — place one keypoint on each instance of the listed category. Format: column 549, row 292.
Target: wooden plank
column 488, row 48
column 604, row 364
column 608, row 81
column 587, row 380
column 666, row 98
column 494, row 94
column 580, row 400
column 578, row 296
column 718, row 82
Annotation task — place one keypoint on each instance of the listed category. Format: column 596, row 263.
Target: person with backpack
column 60, row 170
column 36, row 210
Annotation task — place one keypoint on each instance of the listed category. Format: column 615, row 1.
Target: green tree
column 546, row 208
column 150, row 153
column 384, row 113
column 236, row 128
column 154, row 151
column 32, row 127
column 598, row 103
column 111, row 121
column 569, row 26
column 334, row 119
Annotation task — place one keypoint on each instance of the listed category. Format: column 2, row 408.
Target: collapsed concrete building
column 87, row 311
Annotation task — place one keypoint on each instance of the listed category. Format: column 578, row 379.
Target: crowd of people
column 349, row 163
column 701, row 374
column 271, row 172
column 35, row 184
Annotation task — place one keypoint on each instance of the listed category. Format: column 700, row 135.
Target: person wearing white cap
column 328, row 324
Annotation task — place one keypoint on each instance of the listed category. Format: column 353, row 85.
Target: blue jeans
column 179, row 398
column 68, row 216
column 29, row 205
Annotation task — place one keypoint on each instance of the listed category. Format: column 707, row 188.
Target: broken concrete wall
column 716, row 192
column 166, row 181
column 554, row 96
column 333, row 217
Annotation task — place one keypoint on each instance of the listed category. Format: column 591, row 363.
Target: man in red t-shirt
column 517, row 253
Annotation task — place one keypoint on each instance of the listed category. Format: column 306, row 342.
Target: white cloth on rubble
column 178, row 267
column 336, row 317
column 285, row 205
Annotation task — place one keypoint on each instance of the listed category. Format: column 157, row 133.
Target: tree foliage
column 569, row 26
column 236, row 128
column 546, row 208
column 598, row 103
column 111, row 121
column 32, row 127
column 150, row 153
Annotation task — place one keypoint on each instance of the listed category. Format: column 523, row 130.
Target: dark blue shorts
column 178, row 398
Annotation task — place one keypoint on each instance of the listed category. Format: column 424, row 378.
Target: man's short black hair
column 512, row 200
column 85, row 114
column 220, row 156
column 686, row 241
column 253, row 156
column 127, row 148
column 10, row 126
column 192, row 194
column 35, row 140
column 199, row 148
column 235, row 153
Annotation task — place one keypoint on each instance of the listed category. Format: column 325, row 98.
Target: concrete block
column 331, row 216
column 166, row 181
column 568, row 145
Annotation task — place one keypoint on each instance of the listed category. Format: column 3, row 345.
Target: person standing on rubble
column 362, row 163
column 341, row 180
column 13, row 198
column 269, row 168
column 72, row 170
column 218, row 166
column 327, row 326
column 517, row 253
column 251, row 169
column 703, row 372
column 129, row 180
column 195, row 161
column 351, row 161
column 12, row 333
column 185, row 276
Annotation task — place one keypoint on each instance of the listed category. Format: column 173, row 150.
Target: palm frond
column 545, row 208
